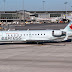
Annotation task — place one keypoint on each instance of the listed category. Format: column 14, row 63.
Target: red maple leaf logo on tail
column 71, row 26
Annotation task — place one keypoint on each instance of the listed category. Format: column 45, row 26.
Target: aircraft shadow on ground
column 24, row 43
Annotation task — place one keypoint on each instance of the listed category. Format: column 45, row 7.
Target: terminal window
column 55, row 15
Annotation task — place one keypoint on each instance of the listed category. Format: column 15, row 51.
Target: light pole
column 4, row 5
column 65, row 8
column 43, row 5
column 23, row 12
column 71, row 6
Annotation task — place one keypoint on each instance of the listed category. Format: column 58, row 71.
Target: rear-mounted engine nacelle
column 58, row 33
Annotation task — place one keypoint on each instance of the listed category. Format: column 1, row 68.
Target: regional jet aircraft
column 36, row 35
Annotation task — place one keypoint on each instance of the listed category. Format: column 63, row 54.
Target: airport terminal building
column 21, row 15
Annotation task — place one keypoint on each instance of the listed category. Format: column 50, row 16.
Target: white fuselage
column 27, row 35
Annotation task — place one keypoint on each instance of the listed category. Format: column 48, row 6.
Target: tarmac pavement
column 51, row 57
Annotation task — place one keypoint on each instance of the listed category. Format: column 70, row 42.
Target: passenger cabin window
column 44, row 34
column 33, row 34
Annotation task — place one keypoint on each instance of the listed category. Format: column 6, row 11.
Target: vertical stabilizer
column 68, row 27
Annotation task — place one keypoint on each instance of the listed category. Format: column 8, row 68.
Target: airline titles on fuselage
column 12, row 36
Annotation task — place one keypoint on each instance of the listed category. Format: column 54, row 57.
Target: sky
column 35, row 5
